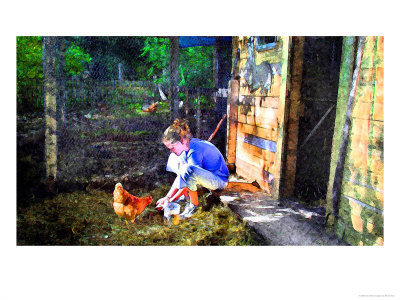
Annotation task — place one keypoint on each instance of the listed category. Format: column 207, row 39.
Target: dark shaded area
column 109, row 51
column 321, row 68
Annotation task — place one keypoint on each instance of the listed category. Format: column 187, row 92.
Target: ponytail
column 178, row 130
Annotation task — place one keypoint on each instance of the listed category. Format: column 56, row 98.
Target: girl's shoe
column 189, row 210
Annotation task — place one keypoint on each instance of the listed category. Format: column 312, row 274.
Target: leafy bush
column 75, row 58
column 29, row 70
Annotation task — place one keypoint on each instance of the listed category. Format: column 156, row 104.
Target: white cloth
column 199, row 176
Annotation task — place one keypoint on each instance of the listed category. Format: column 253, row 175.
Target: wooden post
column 61, row 82
column 216, row 71
column 216, row 61
column 75, row 90
column 82, row 89
column 186, row 105
column 120, row 75
column 50, row 94
column 44, row 70
column 198, row 115
column 174, row 76
column 232, row 123
column 294, row 112
column 282, row 116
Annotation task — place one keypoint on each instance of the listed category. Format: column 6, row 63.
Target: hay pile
column 87, row 218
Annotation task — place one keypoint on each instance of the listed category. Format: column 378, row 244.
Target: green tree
column 156, row 54
column 195, row 63
column 75, row 60
column 30, row 69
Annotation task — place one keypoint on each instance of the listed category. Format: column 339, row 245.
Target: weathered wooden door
column 257, row 110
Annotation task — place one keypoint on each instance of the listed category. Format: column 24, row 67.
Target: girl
column 195, row 162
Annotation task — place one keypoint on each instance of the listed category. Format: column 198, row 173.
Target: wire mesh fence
column 107, row 138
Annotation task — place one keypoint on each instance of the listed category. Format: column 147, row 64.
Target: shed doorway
column 321, row 68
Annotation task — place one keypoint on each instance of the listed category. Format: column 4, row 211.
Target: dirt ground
column 96, row 151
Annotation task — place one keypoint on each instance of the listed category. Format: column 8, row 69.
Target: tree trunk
column 61, row 83
column 43, row 68
column 174, row 77
column 217, row 58
column 198, row 123
column 216, row 71
column 50, row 93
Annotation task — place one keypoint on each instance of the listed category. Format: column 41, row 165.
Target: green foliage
column 30, row 69
column 75, row 59
column 156, row 52
column 195, row 63
column 29, row 58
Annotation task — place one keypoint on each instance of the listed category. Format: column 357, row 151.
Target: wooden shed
column 286, row 115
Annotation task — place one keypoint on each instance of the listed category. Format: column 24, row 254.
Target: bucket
column 171, row 209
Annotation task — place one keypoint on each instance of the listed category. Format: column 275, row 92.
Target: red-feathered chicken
column 152, row 108
column 128, row 206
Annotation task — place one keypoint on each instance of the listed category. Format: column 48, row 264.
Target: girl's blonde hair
column 179, row 129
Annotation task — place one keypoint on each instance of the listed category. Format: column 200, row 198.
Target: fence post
column 74, row 90
column 81, row 90
column 186, row 104
column 198, row 115
column 174, row 76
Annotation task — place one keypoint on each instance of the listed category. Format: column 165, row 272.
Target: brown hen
column 128, row 206
column 152, row 108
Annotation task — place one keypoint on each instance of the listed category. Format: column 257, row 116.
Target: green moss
column 354, row 237
column 376, row 219
column 345, row 79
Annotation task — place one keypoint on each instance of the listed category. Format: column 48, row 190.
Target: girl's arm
column 171, row 193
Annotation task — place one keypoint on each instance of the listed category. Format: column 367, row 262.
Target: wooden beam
column 294, row 112
column 232, row 121
column 282, row 114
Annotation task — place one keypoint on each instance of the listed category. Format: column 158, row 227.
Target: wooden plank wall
column 257, row 120
column 361, row 203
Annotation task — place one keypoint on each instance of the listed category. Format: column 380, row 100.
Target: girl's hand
column 161, row 202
